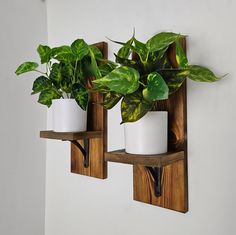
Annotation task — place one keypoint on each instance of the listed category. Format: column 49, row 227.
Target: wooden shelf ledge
column 158, row 160
column 71, row 135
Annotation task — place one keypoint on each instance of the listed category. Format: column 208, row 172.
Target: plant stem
column 41, row 72
column 76, row 64
column 142, row 84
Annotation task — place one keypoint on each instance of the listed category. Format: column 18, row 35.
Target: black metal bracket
column 84, row 150
column 156, row 173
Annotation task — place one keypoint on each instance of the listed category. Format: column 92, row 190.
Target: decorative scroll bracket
column 84, row 150
column 156, row 173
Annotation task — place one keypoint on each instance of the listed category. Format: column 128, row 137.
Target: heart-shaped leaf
column 94, row 65
column 47, row 96
column 107, row 68
column 181, row 57
column 123, row 80
column 44, row 53
column 134, row 107
column 40, row 84
column 63, row 54
column 161, row 41
column 80, row 48
column 26, row 67
column 156, row 88
column 97, row 53
column 81, row 95
column 111, row 99
column 174, row 78
column 55, row 75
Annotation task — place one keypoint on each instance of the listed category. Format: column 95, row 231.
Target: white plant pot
column 148, row 135
column 68, row 116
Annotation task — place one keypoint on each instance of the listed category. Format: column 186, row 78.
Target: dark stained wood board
column 174, row 176
column 158, row 160
column 71, row 135
column 97, row 121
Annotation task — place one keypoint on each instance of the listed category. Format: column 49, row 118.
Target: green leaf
column 55, row 75
column 107, row 67
column 181, row 57
column 201, row 74
column 111, row 99
column 40, row 84
column 44, row 53
column 141, row 50
column 123, row 80
column 97, row 53
column 124, row 51
column 26, row 67
column 65, row 85
column 174, row 78
column 81, row 95
column 94, row 66
column 126, row 62
column 80, row 48
column 63, row 54
column 161, row 41
column 175, row 83
column 47, row 96
column 134, row 107
column 156, row 88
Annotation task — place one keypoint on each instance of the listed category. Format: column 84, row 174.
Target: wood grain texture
column 174, row 176
column 158, row 160
column 97, row 121
column 71, row 135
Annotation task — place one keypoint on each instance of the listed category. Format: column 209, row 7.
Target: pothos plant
column 66, row 71
column 148, row 78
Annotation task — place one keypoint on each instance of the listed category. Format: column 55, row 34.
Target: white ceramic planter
column 148, row 135
column 68, row 116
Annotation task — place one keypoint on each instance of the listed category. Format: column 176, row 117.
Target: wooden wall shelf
column 160, row 180
column 158, row 160
column 71, row 135
column 88, row 148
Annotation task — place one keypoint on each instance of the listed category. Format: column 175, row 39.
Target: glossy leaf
column 63, row 54
column 174, row 78
column 126, row 62
column 141, row 50
column 156, row 88
column 80, row 48
column 123, row 80
column 81, row 95
column 134, row 107
column 94, row 66
column 26, row 67
column 44, row 53
column 97, row 53
column 161, row 41
column 40, row 84
column 111, row 99
column 47, row 96
column 107, row 68
column 201, row 74
column 125, row 51
column 181, row 57
column 55, row 75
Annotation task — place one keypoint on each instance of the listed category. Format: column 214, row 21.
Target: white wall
column 81, row 205
column 22, row 154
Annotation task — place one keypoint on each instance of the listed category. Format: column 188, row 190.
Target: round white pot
column 148, row 135
column 68, row 116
